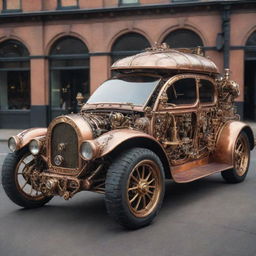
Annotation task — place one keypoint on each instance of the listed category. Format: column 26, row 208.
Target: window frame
column 6, row 10
column 170, row 82
column 206, row 104
column 60, row 7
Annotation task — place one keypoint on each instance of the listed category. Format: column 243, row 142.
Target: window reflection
column 14, row 76
column 69, row 74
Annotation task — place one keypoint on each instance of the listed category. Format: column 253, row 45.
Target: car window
column 182, row 91
column 206, row 91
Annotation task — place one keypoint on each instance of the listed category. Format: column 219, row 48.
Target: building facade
column 51, row 50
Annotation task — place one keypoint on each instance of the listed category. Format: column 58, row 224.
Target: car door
column 208, row 123
column 175, row 118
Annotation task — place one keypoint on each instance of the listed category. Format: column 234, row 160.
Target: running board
column 199, row 172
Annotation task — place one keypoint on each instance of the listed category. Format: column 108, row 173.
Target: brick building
column 52, row 49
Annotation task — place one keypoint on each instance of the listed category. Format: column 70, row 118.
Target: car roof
column 165, row 58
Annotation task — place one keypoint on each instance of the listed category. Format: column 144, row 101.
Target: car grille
column 64, row 134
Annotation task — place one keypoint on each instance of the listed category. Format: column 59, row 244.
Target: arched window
column 14, row 76
column 128, row 44
column 183, row 38
column 250, row 78
column 69, row 65
column 251, row 46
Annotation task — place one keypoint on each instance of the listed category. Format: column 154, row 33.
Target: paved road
column 203, row 218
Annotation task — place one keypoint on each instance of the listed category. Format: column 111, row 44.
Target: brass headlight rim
column 94, row 147
column 17, row 143
column 40, row 146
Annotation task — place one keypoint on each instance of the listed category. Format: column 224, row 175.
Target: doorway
column 65, row 85
column 250, row 91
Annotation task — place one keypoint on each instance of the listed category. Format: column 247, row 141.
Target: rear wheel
column 241, row 156
column 16, row 180
column 135, row 188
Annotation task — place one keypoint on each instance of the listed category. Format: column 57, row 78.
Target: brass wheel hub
column 241, row 156
column 144, row 188
column 23, row 174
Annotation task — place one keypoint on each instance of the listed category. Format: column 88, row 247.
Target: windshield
column 134, row 90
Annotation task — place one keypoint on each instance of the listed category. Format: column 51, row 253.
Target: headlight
column 88, row 150
column 34, row 147
column 12, row 144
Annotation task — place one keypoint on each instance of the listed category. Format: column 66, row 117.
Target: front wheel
column 241, row 158
column 16, row 180
column 135, row 188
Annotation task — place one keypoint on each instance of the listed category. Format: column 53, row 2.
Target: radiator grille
column 64, row 133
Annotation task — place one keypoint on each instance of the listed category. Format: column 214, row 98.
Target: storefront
column 53, row 50
column 15, row 84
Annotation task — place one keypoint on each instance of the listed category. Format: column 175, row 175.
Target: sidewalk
column 5, row 134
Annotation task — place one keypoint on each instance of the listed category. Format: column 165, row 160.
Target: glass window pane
column 129, row 1
column 251, row 53
column 65, row 84
column 69, row 45
column 14, row 64
column 183, row 38
column 13, row 48
column 182, row 92
column 70, row 63
column 128, row 42
column 15, row 90
column 131, row 89
column 206, row 91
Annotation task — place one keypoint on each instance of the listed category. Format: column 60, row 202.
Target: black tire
column 238, row 173
column 118, row 180
column 11, row 186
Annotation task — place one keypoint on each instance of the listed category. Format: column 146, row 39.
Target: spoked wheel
column 17, row 182
column 144, row 188
column 135, row 188
column 241, row 158
column 23, row 181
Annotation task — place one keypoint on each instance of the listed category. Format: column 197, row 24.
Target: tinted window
column 206, row 91
column 182, row 92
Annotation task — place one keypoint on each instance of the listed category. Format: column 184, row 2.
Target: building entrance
column 250, row 90
column 250, row 79
column 66, row 84
column 69, row 75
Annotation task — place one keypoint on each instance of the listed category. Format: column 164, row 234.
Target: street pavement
column 203, row 218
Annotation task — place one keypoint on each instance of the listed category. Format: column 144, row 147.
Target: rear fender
column 225, row 144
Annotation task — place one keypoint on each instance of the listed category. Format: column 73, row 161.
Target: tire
column 241, row 156
column 13, row 173
column 137, row 173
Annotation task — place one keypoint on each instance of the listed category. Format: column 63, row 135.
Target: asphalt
column 205, row 218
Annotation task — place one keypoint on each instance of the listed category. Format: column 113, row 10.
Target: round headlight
column 12, row 144
column 87, row 150
column 34, row 147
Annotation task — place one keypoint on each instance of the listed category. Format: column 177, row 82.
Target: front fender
column 110, row 140
column 226, row 140
column 24, row 137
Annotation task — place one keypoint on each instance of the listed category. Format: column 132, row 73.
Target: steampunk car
column 165, row 114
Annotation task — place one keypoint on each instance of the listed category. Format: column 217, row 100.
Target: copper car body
column 192, row 140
